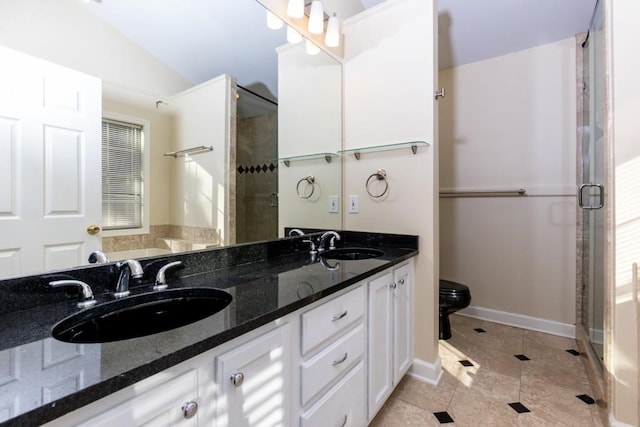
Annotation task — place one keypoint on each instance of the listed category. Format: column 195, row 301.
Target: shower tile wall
column 257, row 178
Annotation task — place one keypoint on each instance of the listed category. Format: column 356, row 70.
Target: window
column 122, row 175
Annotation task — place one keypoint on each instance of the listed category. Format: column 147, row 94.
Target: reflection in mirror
column 84, row 63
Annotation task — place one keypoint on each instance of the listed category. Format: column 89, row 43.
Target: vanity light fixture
column 273, row 21
column 295, row 8
column 311, row 48
column 332, row 38
column 293, row 36
column 316, row 17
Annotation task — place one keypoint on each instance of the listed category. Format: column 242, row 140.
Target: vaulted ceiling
column 201, row 39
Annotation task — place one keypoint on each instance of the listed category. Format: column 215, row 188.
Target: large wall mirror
column 172, row 77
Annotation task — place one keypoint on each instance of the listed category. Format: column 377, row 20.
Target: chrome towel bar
column 194, row 150
column 484, row 193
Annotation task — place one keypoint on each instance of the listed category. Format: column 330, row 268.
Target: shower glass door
column 592, row 194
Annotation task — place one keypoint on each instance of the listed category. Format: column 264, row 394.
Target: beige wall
column 160, row 142
column 389, row 80
column 624, row 157
column 509, row 123
column 309, row 122
column 66, row 33
column 200, row 185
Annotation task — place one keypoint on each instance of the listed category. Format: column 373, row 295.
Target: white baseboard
column 614, row 423
column 426, row 372
column 521, row 321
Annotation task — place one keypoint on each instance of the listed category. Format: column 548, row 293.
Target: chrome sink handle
column 296, row 232
column 86, row 294
column 312, row 249
column 161, row 280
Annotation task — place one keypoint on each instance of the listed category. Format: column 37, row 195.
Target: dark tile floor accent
column 443, row 417
column 521, row 357
column 519, row 407
column 586, row 399
column 479, row 330
column 574, row 352
column 466, row 363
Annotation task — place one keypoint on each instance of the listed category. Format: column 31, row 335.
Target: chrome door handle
column 340, row 316
column 600, row 204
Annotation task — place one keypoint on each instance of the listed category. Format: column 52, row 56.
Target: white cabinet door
column 158, row 407
column 380, row 341
column 390, row 333
column 255, row 382
column 403, row 321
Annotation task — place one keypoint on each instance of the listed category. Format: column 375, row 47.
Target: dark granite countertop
column 267, row 280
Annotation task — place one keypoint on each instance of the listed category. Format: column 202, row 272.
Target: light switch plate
column 333, row 204
column 354, row 207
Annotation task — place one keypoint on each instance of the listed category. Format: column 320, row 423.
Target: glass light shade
column 316, row 18
column 311, row 48
column 293, row 36
column 295, row 8
column 332, row 38
column 273, row 21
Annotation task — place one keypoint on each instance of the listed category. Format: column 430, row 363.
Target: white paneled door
column 50, row 170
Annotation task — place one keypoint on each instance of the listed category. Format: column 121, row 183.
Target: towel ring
column 310, row 180
column 381, row 175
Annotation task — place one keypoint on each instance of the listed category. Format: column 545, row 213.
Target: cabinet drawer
column 328, row 319
column 330, row 363
column 343, row 405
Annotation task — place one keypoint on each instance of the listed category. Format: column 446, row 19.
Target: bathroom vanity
column 306, row 340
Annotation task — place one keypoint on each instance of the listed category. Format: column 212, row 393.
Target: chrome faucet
column 129, row 269
column 332, row 242
column 86, row 294
column 98, row 257
column 161, row 280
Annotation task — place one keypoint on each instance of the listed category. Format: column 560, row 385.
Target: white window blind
column 122, row 183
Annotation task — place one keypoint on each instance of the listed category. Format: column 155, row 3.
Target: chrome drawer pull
column 334, row 318
column 337, row 362
column 344, row 423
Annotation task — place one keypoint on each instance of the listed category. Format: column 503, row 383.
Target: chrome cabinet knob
column 401, row 282
column 393, row 285
column 237, row 378
column 189, row 409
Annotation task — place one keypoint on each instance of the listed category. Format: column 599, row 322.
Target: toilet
column 453, row 297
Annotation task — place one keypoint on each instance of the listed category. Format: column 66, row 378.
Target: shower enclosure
column 257, row 167
column 592, row 195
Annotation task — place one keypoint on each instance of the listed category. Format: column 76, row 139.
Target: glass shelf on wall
column 326, row 156
column 413, row 145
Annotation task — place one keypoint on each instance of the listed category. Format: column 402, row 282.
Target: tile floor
column 497, row 375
